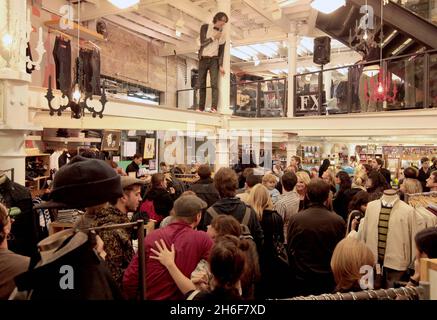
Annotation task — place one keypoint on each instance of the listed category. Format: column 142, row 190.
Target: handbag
column 280, row 251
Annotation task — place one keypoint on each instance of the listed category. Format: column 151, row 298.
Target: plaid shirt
column 286, row 206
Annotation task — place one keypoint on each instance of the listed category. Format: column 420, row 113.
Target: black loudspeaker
column 322, row 50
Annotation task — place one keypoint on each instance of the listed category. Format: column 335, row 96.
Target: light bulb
column 365, row 37
column 76, row 94
column 380, row 88
column 7, row 40
column 256, row 61
column 178, row 33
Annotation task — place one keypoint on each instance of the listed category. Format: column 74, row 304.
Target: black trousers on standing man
column 210, row 64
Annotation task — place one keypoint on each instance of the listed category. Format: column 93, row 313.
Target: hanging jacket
column 400, row 238
column 25, row 226
column 92, row 280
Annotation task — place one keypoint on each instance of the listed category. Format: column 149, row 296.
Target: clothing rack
column 422, row 199
column 62, row 34
column 410, row 293
column 141, row 251
column 12, row 171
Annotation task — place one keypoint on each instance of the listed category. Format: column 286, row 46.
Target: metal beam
column 137, row 28
column 413, row 25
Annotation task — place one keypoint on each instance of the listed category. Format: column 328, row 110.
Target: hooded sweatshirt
column 236, row 208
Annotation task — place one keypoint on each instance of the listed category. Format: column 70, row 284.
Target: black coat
column 206, row 191
column 423, row 177
column 387, row 175
column 342, row 200
column 312, row 237
column 273, row 272
column 162, row 201
column 236, row 208
column 92, row 280
column 25, row 226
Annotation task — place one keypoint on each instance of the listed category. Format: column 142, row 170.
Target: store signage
column 307, row 103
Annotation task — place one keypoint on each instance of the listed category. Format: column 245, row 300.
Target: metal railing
column 402, row 82
column 263, row 98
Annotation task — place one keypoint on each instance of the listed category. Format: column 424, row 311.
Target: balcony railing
column 403, row 82
column 254, row 99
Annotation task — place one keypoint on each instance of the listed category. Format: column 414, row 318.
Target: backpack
column 148, row 208
column 245, row 231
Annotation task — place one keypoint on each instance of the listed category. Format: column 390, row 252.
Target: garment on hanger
column 54, row 160
column 384, row 217
column 62, row 57
column 92, row 280
column 24, row 228
column 88, row 71
column 64, row 158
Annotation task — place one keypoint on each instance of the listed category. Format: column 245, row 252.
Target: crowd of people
column 234, row 235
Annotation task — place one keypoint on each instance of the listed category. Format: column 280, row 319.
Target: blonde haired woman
column 272, row 270
column 329, row 177
column 360, row 180
column 410, row 186
column 303, row 180
column 349, row 256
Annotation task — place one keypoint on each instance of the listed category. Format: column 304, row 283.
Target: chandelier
column 77, row 102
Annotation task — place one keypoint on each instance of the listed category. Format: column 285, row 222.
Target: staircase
column 404, row 32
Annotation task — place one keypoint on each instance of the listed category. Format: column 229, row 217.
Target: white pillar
column 327, row 83
column 14, row 86
column 222, row 145
column 292, row 147
column 224, row 84
column 292, row 63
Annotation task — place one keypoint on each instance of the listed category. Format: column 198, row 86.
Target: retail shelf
column 36, row 154
column 72, row 140
column 33, row 138
column 85, row 33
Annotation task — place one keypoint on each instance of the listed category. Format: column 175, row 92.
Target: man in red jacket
column 191, row 246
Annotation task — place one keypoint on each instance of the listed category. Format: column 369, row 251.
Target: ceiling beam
column 257, row 8
column 140, row 29
column 154, row 26
column 348, row 58
column 149, row 14
column 193, row 10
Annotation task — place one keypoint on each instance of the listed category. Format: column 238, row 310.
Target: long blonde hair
column 302, row 175
column 349, row 256
column 259, row 200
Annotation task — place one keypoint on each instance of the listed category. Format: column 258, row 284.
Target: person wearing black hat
column 83, row 183
column 118, row 242
column 191, row 247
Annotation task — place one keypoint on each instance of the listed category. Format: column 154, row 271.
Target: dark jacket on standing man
column 205, row 190
column 311, row 239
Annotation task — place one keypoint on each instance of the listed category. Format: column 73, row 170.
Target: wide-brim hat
column 83, row 183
